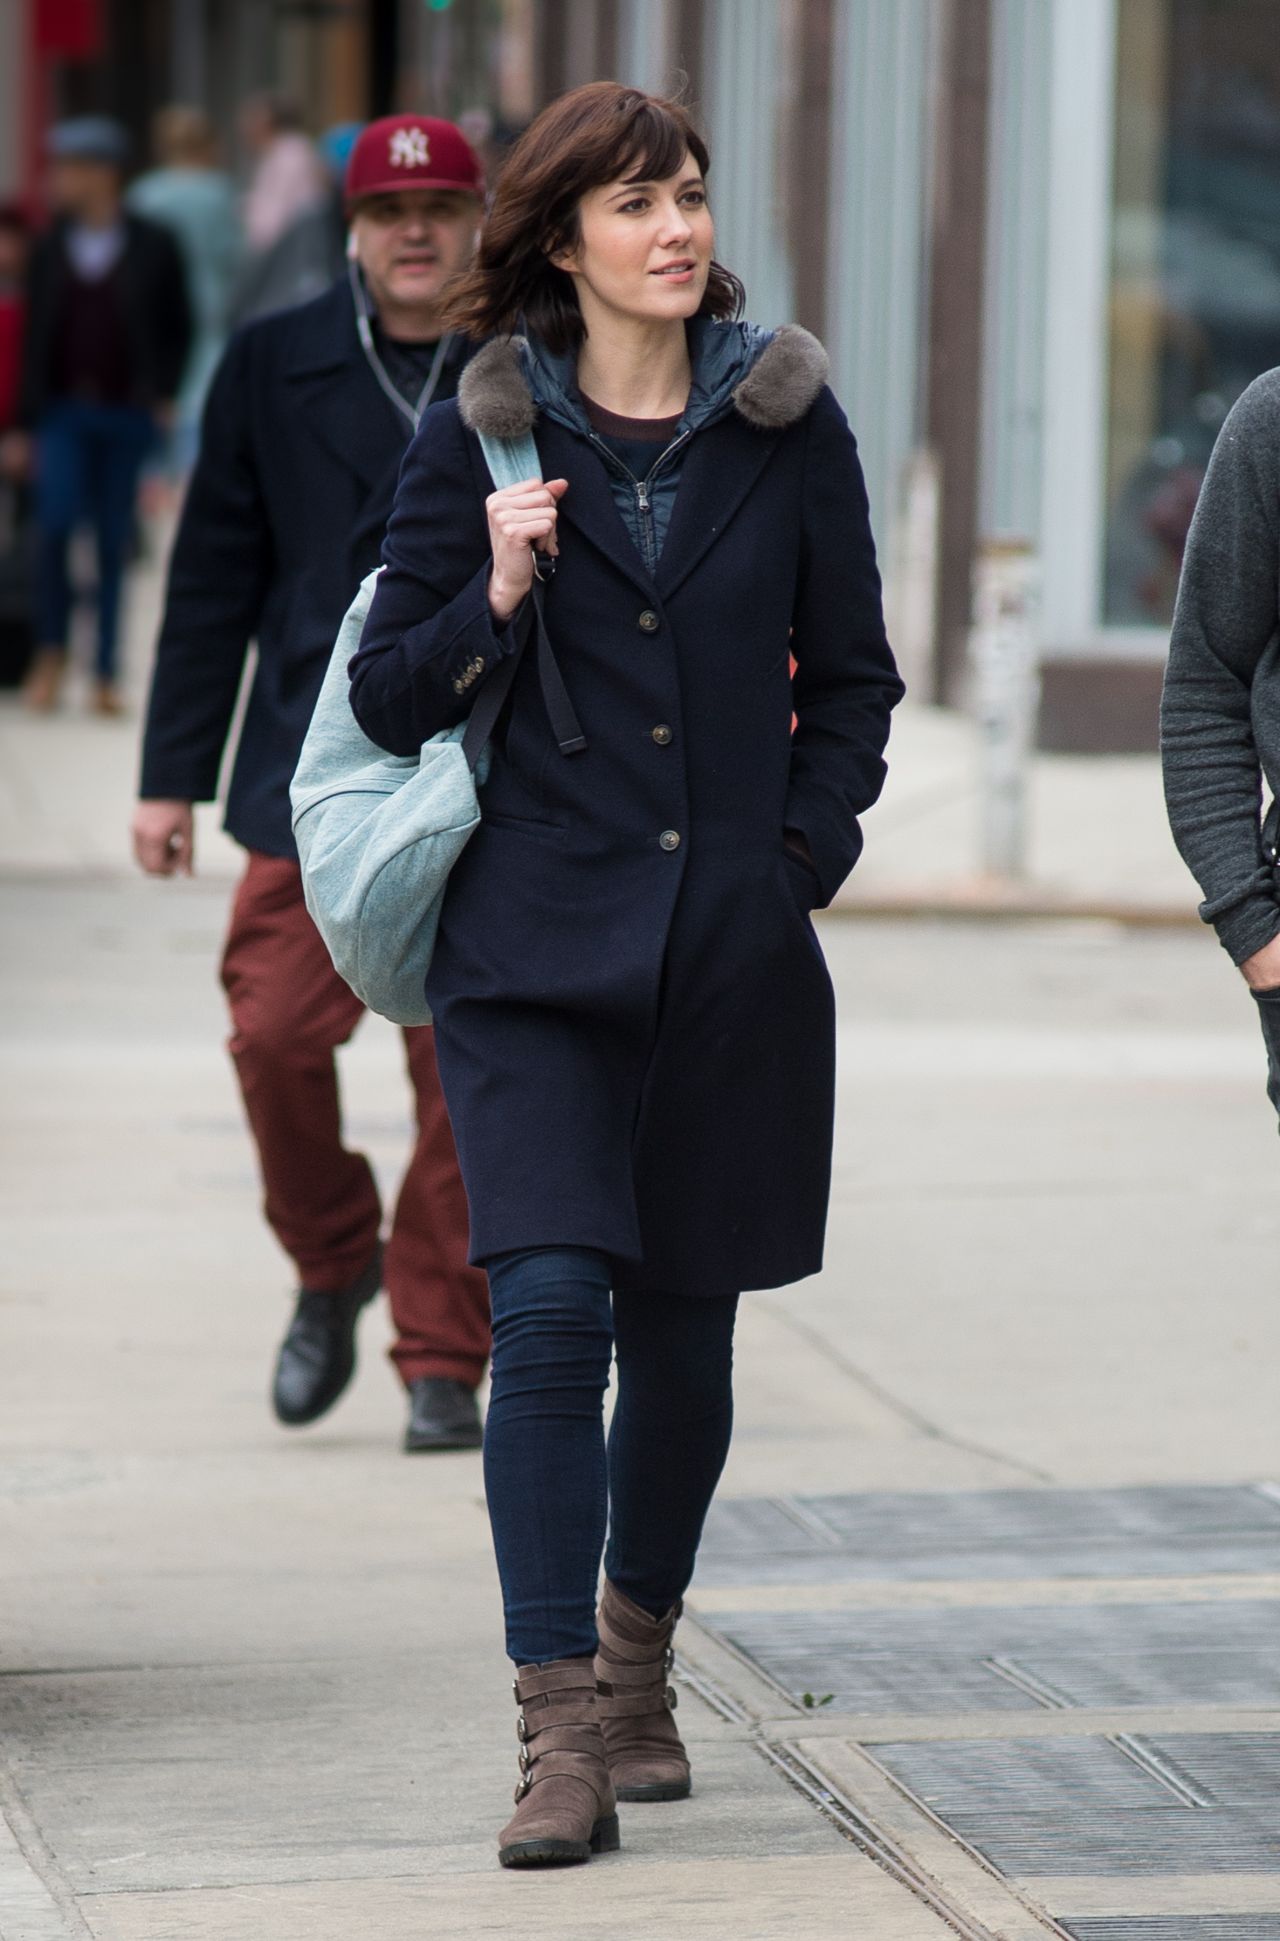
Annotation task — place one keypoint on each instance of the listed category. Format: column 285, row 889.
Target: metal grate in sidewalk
column 1107, row 1804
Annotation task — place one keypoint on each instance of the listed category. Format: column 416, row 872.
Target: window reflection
column 1195, row 286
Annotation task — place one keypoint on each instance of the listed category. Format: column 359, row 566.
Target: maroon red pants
column 289, row 1012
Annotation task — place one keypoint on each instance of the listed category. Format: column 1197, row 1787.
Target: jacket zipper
column 644, row 504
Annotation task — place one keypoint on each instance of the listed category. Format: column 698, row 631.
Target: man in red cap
column 306, row 423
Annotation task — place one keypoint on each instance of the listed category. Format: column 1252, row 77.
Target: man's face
column 80, row 188
column 409, row 244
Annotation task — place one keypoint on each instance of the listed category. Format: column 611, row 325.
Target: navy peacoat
column 634, row 1020
column 298, row 463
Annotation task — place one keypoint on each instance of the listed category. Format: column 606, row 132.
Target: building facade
column 1041, row 239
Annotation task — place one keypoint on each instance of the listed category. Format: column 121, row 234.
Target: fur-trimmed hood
column 771, row 378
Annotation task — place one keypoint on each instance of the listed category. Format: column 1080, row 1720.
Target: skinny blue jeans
column 553, row 1485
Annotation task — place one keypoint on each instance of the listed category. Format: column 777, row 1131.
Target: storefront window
column 1195, row 277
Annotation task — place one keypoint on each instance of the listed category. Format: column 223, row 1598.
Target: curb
column 977, row 899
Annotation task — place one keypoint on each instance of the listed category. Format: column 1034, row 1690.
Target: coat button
column 458, row 687
column 648, row 622
column 669, row 839
column 662, row 734
column 479, row 663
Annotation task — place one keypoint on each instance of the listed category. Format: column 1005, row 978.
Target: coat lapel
column 720, row 467
column 342, row 401
column 588, row 504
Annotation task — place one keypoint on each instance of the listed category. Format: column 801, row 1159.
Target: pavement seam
column 36, row 1855
column 868, row 1839
column 934, row 1431
column 871, row 1839
column 777, row 1742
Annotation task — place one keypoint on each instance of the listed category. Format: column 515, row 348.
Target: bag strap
column 510, row 462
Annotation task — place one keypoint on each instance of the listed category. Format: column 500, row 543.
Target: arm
column 1228, row 613
column 36, row 331
column 846, row 683
column 431, row 639
column 218, row 580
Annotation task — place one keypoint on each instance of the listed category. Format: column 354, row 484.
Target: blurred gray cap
column 88, row 138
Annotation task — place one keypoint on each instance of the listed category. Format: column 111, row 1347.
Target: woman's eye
column 696, row 198
column 631, row 208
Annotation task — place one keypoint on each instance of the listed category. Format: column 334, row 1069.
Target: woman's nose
column 677, row 227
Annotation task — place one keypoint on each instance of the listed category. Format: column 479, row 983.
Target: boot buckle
column 672, row 1698
column 526, row 1759
column 668, row 1659
column 522, row 1728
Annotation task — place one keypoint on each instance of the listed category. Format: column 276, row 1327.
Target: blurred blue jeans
column 551, row 1483
column 89, row 458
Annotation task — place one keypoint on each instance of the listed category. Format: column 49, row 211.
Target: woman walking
column 634, row 1021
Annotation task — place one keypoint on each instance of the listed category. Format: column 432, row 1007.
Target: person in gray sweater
column 1220, row 716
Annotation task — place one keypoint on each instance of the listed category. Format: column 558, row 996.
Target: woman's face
column 645, row 248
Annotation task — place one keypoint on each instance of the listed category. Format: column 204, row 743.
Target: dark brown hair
column 601, row 133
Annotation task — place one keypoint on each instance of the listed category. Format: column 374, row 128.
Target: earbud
column 351, row 245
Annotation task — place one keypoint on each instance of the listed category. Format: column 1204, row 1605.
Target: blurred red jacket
column 12, row 319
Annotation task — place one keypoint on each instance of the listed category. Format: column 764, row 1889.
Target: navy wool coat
column 634, row 1020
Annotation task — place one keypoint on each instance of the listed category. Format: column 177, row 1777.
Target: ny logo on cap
column 408, row 149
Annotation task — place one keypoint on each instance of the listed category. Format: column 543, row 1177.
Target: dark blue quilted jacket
column 722, row 354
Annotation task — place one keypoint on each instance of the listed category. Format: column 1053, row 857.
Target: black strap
column 484, row 716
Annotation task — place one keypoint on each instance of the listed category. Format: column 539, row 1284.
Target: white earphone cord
column 364, row 329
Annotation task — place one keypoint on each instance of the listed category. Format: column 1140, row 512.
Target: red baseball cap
column 411, row 152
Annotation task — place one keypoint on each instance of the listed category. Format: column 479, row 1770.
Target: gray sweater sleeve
column 1227, row 617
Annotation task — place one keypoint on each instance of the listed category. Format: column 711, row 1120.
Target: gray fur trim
column 784, row 380
column 493, row 393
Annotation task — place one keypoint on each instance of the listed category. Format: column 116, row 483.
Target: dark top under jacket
column 147, row 293
column 1220, row 719
column 634, row 1021
column 285, row 515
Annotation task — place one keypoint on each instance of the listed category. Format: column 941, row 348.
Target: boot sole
column 605, row 1838
column 423, row 1445
column 660, row 1790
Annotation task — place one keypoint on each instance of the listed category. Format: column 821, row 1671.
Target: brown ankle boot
column 646, row 1756
column 566, row 1809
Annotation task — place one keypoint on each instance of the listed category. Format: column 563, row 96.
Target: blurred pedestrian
column 288, row 176
column 311, row 252
column 194, row 199
column 109, row 329
column 1220, row 718
column 634, row 1020
column 304, row 431
column 16, row 580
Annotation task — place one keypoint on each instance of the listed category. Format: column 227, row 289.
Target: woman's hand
column 521, row 517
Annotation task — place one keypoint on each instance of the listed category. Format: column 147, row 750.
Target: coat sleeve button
column 648, row 622
column 669, row 839
column 662, row 735
column 458, row 687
